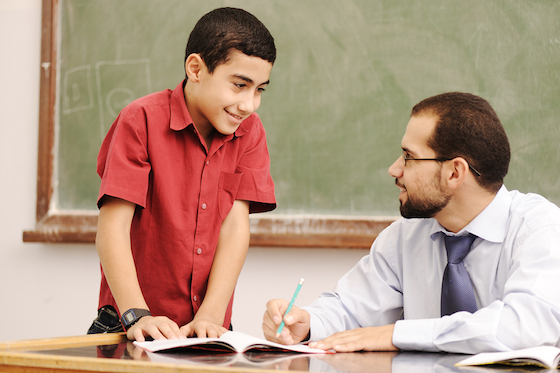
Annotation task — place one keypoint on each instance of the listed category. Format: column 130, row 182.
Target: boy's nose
column 249, row 104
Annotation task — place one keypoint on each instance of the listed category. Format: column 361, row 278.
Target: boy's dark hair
column 468, row 127
column 224, row 29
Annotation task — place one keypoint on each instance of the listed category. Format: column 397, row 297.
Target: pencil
column 281, row 326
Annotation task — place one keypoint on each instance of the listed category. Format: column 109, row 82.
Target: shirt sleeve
column 521, row 305
column 256, row 185
column 122, row 162
column 368, row 295
column 526, row 315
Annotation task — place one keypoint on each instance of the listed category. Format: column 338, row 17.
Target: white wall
column 45, row 290
column 274, row 273
column 51, row 290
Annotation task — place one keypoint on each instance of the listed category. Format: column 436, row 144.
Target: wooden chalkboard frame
column 80, row 227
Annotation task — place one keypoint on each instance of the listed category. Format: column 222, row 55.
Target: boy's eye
column 239, row 85
column 261, row 89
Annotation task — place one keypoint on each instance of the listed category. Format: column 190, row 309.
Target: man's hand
column 376, row 338
column 296, row 322
column 157, row 327
column 202, row 328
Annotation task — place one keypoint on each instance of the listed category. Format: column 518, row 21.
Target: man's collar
column 490, row 224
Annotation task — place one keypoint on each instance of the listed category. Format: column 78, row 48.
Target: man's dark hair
column 220, row 31
column 468, row 127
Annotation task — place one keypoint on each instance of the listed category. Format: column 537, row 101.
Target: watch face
column 129, row 316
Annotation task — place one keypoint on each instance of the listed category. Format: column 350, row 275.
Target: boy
column 181, row 170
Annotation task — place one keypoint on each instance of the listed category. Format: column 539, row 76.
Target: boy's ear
column 194, row 66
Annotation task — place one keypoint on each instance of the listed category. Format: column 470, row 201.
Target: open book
column 228, row 342
column 543, row 356
column 263, row 360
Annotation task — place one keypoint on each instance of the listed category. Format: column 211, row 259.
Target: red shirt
column 154, row 157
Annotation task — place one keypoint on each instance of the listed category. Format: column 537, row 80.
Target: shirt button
column 204, row 206
column 199, row 251
column 195, row 298
column 207, row 162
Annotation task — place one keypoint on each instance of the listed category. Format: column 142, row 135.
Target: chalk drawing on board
column 117, row 99
column 77, row 92
column 118, row 84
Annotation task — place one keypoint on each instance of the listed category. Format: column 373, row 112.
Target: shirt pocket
column 227, row 190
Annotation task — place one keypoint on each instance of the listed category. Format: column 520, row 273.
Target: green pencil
column 281, row 326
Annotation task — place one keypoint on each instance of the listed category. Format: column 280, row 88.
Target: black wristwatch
column 132, row 316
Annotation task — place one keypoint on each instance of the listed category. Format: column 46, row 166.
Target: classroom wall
column 49, row 290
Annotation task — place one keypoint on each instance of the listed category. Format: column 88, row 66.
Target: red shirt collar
column 181, row 118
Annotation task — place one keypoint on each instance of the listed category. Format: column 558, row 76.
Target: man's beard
column 433, row 202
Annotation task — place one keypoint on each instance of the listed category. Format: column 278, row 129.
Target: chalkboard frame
column 267, row 230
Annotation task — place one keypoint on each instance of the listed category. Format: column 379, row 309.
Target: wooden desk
column 113, row 353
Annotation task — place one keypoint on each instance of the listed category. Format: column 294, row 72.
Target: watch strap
column 132, row 316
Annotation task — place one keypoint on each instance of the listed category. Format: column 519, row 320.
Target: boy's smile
column 222, row 100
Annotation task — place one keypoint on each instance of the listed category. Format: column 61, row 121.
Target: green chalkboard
column 346, row 77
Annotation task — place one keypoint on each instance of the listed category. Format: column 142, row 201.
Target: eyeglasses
column 406, row 158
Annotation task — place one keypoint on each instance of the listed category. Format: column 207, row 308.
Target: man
column 455, row 156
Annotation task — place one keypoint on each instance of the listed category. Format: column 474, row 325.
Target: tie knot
column 457, row 247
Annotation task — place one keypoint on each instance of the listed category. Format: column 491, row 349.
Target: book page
column 198, row 357
column 244, row 342
column 546, row 356
column 234, row 341
column 168, row 344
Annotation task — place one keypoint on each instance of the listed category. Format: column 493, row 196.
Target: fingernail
column 289, row 318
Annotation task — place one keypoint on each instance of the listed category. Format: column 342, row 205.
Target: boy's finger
column 168, row 332
column 187, row 330
column 201, row 332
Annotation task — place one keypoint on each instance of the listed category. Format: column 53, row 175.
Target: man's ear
column 456, row 172
column 194, row 65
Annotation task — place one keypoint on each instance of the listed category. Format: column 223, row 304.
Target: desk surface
column 113, row 353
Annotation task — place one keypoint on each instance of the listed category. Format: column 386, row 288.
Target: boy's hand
column 202, row 328
column 296, row 322
column 157, row 327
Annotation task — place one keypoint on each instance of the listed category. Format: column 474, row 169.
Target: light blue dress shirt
column 514, row 265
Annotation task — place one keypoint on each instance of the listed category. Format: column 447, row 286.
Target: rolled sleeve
column 123, row 162
column 256, row 184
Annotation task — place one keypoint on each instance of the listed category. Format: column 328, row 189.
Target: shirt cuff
column 415, row 335
column 316, row 328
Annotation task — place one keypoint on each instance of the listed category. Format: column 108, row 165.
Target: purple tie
column 457, row 292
